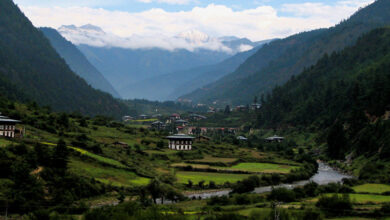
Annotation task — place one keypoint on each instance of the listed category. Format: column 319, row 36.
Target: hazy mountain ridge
column 171, row 86
column 78, row 62
column 33, row 70
column 278, row 61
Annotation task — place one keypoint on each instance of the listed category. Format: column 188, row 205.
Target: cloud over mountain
column 190, row 40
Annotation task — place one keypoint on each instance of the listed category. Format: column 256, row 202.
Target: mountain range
column 278, row 61
column 173, row 85
column 126, row 62
column 32, row 70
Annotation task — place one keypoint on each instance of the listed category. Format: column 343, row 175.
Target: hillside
column 78, row 62
column 345, row 98
column 277, row 62
column 32, row 70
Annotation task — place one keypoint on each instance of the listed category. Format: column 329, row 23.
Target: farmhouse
column 274, row 138
column 7, row 126
column 180, row 142
column 158, row 125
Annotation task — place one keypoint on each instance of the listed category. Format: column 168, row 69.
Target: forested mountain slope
column 78, row 62
column 31, row 69
column 346, row 93
column 275, row 63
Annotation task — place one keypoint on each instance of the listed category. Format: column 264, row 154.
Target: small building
column 158, row 125
column 181, row 122
column 127, row 118
column 196, row 117
column 143, row 116
column 274, row 138
column 180, row 142
column 242, row 138
column 7, row 126
column 256, row 106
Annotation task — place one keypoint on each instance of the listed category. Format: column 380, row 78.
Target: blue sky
column 254, row 19
column 168, row 5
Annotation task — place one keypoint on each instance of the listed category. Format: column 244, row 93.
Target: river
column 324, row 175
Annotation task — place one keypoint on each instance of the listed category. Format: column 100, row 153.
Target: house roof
column 275, row 137
column 242, row 138
column 6, row 119
column 181, row 121
column 180, row 136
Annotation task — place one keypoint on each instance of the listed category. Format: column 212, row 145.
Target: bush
column 282, row 195
column 335, row 205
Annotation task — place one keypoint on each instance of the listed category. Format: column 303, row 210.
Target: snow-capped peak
column 194, row 36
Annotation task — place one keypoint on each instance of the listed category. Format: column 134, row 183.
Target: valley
column 153, row 114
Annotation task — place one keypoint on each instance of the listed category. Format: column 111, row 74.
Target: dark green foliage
column 282, row 195
column 337, row 142
column 78, row 62
column 335, row 205
column 340, row 94
column 278, row 61
column 32, row 70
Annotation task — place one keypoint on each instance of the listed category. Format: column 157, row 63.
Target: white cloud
column 335, row 12
column 245, row 47
column 154, row 25
column 94, row 36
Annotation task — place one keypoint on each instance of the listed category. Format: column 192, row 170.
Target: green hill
column 275, row 63
column 30, row 69
column 345, row 97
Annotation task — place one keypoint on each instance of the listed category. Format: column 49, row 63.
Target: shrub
column 282, row 194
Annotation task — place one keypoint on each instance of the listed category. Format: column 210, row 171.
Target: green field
column 218, row 178
column 263, row 167
column 107, row 175
column 366, row 198
column 101, row 159
column 209, row 159
column 372, row 188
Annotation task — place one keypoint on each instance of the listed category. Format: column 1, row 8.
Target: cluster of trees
column 37, row 177
column 342, row 93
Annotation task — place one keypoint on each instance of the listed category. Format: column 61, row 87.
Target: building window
column 1, row 127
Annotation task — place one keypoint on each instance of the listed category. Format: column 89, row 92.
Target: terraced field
column 372, row 188
column 263, row 167
column 210, row 159
column 218, row 178
column 245, row 167
column 107, row 175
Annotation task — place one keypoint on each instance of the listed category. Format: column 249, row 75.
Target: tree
column 60, row 156
column 227, row 109
column 155, row 189
column 337, row 142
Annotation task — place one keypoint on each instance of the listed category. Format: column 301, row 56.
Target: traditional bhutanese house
column 180, row 142
column 181, row 122
column 7, row 127
column 143, row 117
column 274, row 138
column 158, row 125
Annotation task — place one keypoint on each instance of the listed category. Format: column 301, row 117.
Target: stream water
column 324, row 175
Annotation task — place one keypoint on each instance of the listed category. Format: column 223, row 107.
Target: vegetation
column 278, row 61
column 33, row 71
